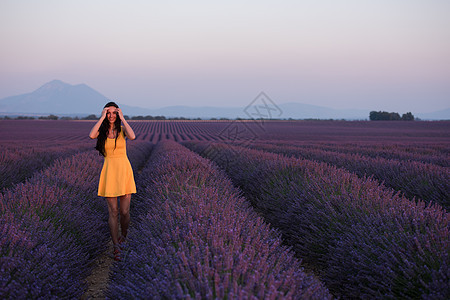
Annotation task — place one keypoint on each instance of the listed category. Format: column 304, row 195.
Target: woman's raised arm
column 127, row 128
column 94, row 131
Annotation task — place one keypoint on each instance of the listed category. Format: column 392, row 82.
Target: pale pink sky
column 384, row 54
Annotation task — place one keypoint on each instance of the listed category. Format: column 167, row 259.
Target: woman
column 116, row 178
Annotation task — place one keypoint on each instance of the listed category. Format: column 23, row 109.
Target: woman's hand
column 119, row 111
column 104, row 112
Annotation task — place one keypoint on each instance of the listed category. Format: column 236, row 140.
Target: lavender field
column 232, row 209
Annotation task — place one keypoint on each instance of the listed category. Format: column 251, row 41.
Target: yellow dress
column 116, row 178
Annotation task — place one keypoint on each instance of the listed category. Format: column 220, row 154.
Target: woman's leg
column 113, row 219
column 125, row 213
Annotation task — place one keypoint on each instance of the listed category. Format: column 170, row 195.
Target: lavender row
column 364, row 240
column 428, row 182
column 437, row 154
column 20, row 161
column 52, row 228
column 138, row 153
column 197, row 238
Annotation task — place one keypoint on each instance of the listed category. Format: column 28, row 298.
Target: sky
column 389, row 55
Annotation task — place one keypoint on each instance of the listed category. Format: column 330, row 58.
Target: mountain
column 60, row 98
column 56, row 97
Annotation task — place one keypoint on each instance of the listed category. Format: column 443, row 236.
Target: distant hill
column 437, row 115
column 55, row 97
column 60, row 98
column 287, row 110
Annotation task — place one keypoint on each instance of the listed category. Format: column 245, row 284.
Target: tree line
column 390, row 116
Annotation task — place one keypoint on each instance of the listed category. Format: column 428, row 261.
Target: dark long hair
column 103, row 131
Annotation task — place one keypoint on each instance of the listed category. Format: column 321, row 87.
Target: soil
column 99, row 279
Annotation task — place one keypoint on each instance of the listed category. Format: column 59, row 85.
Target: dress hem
column 116, row 195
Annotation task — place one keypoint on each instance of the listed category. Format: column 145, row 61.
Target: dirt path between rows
column 98, row 281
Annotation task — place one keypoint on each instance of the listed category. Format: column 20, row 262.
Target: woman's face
column 111, row 114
